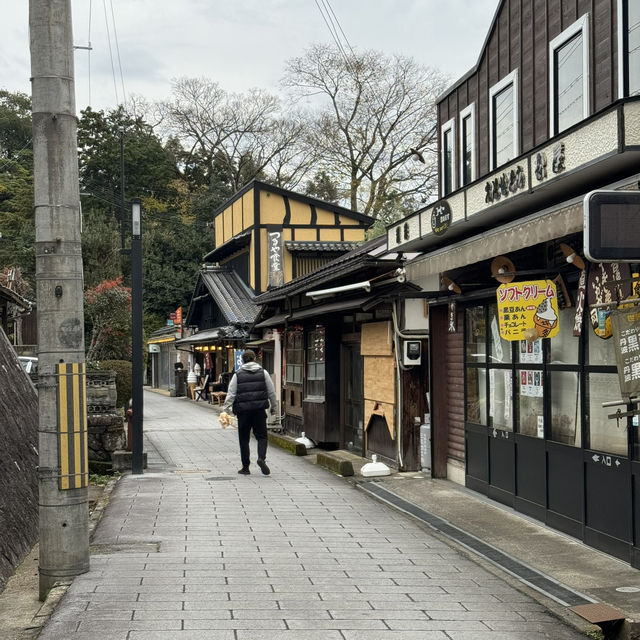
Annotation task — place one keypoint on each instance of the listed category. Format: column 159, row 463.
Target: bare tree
column 245, row 133
column 375, row 110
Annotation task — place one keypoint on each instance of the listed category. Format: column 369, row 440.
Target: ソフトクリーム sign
column 526, row 306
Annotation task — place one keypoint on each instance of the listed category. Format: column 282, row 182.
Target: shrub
column 123, row 379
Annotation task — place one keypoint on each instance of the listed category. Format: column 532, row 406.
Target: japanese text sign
column 626, row 332
column 528, row 305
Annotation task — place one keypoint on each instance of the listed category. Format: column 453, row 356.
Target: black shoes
column 244, row 471
column 263, row 466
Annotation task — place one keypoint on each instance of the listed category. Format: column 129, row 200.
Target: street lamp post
column 136, row 336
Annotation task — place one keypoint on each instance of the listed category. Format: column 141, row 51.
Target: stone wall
column 18, row 468
column 105, row 422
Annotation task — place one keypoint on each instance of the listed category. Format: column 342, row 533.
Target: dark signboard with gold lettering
column 440, row 217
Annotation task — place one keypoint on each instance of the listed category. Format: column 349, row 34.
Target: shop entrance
column 537, row 437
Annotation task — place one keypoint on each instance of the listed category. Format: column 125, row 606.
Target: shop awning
column 212, row 335
column 257, row 343
column 273, row 321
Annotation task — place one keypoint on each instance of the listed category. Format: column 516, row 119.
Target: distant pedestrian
column 249, row 394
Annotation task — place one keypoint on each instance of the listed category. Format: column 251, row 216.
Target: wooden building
column 264, row 236
column 548, row 114
column 343, row 328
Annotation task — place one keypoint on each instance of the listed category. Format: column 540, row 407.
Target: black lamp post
column 136, row 335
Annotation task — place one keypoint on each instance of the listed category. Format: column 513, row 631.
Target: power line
column 115, row 35
column 113, row 71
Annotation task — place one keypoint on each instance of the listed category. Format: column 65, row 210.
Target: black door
column 352, row 410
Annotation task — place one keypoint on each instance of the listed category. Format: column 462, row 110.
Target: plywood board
column 379, row 389
column 379, row 378
column 383, row 410
column 377, row 339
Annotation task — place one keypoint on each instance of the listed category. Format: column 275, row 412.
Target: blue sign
column 237, row 357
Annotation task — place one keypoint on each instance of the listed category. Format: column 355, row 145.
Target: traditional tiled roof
column 333, row 247
column 230, row 293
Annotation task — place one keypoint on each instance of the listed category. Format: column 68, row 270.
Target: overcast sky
column 238, row 43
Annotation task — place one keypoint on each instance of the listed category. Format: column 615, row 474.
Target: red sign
column 172, row 316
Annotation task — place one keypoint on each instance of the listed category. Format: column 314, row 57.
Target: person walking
column 250, row 392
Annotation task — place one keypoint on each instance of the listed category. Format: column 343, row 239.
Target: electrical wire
column 113, row 71
column 115, row 35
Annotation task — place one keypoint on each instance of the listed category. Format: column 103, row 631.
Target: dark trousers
column 256, row 420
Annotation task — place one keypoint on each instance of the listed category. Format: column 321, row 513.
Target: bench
column 217, row 397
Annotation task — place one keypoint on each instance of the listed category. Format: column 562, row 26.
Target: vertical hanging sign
column 72, row 426
column 276, row 259
column 626, row 332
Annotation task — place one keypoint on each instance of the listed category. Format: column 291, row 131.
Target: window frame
column 623, row 49
column 509, row 79
column 468, row 112
column 581, row 25
column 448, row 127
column 290, row 348
column 308, row 363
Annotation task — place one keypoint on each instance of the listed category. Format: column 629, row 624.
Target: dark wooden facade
column 548, row 448
column 519, row 40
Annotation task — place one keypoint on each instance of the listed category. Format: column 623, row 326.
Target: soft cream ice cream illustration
column 545, row 318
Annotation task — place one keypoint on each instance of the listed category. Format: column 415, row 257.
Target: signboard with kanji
column 526, row 306
column 625, row 324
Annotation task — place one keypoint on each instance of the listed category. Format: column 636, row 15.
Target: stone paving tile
column 298, row 555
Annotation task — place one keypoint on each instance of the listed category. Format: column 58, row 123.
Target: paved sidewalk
column 190, row 550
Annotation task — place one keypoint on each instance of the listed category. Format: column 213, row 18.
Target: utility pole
column 63, row 466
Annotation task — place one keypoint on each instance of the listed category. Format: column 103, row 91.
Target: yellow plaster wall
column 345, row 221
column 325, row 217
column 237, row 216
column 247, row 209
column 288, row 258
column 354, row 235
column 330, row 235
column 300, row 212
column 227, row 217
column 305, row 235
column 272, row 209
column 218, row 230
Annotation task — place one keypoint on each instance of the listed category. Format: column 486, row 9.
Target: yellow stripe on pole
column 63, row 427
column 72, row 426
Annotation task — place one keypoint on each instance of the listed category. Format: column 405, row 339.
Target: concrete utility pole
column 63, row 468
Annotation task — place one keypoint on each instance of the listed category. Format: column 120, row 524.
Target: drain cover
column 628, row 589
column 218, row 478
column 191, row 470
column 598, row 612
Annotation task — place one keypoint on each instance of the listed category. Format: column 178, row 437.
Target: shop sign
column 504, row 185
column 276, row 268
column 608, row 282
column 440, row 217
column 625, row 325
column 237, row 358
column 531, row 305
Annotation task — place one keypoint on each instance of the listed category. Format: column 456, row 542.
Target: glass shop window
column 500, row 399
column 565, row 408
column 476, row 396
column 476, row 338
column 601, row 351
column 530, row 402
column 315, row 364
column 564, row 348
column 500, row 349
column 632, row 47
column 607, row 435
column 294, row 357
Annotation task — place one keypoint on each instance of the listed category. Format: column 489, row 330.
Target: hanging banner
column 625, row 325
column 276, row 259
column 607, row 282
column 528, row 305
column 580, row 298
